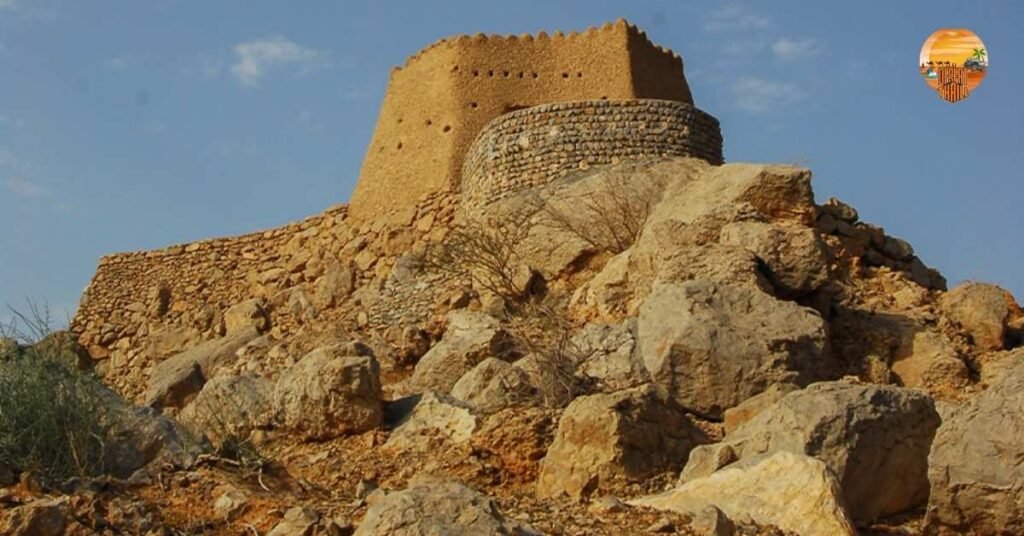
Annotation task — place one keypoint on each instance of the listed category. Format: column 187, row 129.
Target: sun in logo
column 953, row 61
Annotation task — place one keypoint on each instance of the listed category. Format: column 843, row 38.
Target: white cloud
column 21, row 187
column 734, row 18
column 743, row 49
column 7, row 4
column 253, row 59
column 118, row 63
column 788, row 49
column 758, row 95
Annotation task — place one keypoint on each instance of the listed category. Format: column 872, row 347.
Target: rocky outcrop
column 610, row 357
column 976, row 465
column 873, row 438
column 434, row 416
column 176, row 380
column 795, row 257
column 982, row 310
column 495, row 384
column 471, row 337
column 230, row 406
column 616, row 438
column 332, row 391
column 791, row 491
column 439, row 508
column 713, row 345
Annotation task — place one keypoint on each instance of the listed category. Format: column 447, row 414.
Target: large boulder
column 714, row 345
column 982, row 310
column 439, row 508
column 609, row 356
column 795, row 256
column 791, row 491
column 230, row 406
column 495, row 384
column 927, row 359
column 874, row 438
column 976, row 466
column 431, row 416
column 332, row 391
column 605, row 440
column 470, row 338
column 177, row 379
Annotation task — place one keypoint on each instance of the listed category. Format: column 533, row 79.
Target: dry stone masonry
column 534, row 146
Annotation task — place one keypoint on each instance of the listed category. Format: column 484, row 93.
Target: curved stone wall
column 537, row 145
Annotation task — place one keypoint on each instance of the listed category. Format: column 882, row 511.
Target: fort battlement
column 439, row 101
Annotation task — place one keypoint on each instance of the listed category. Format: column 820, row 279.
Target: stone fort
column 438, row 103
column 464, row 122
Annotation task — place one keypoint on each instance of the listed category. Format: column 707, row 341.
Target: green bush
column 50, row 412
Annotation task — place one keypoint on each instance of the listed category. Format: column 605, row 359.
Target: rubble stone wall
column 532, row 147
column 208, row 275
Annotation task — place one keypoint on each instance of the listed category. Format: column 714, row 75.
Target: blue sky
column 129, row 125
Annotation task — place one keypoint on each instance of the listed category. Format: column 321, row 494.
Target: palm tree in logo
column 980, row 55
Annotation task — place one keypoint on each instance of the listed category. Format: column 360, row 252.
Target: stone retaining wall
column 536, row 145
column 184, row 282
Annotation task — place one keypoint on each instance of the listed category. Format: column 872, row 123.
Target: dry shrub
column 50, row 411
column 544, row 333
column 609, row 218
column 485, row 254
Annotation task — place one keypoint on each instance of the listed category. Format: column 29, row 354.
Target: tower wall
column 438, row 103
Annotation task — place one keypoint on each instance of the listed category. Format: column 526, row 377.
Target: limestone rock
column 666, row 253
column 297, row 521
column 334, row 286
column 983, row 310
column 714, row 346
column 434, row 415
column 230, row 503
column 332, row 391
column 242, row 316
column 494, row 385
column 976, row 465
column 606, row 440
column 710, row 521
column 874, row 438
column 919, row 353
column 471, row 337
column 229, row 406
column 795, row 256
column 139, row 437
column 839, row 210
column 791, row 491
column 176, row 380
column 42, row 517
column 769, row 191
column 751, row 407
column 439, row 508
column 609, row 356
column 553, row 376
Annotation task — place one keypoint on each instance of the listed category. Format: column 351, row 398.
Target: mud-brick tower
column 440, row 100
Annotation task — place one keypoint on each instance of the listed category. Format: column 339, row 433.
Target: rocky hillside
column 660, row 346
